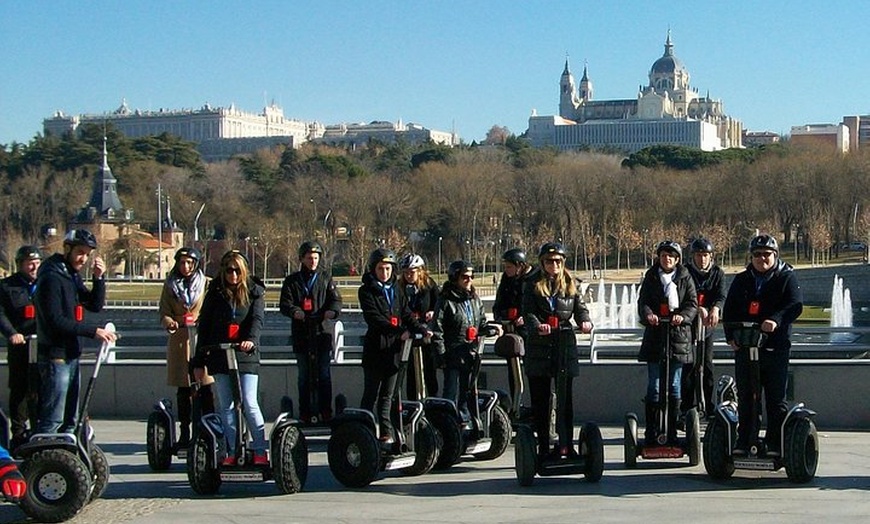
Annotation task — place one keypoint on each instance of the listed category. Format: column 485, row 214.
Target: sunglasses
column 557, row 261
column 234, row 270
column 467, row 277
column 762, row 254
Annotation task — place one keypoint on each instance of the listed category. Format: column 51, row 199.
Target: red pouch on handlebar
column 701, row 299
column 80, row 313
column 471, row 333
column 233, row 331
column 188, row 319
column 754, row 307
column 553, row 321
column 512, row 313
column 29, row 312
column 307, row 304
column 664, row 309
column 394, row 321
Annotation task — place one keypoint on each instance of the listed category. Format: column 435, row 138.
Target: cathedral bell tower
column 568, row 100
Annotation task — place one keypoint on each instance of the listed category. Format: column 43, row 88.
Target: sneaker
column 261, row 459
column 229, row 461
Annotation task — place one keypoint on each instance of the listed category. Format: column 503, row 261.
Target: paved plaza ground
column 486, row 492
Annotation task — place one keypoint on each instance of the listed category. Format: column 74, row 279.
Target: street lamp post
column 159, row 233
column 439, row 255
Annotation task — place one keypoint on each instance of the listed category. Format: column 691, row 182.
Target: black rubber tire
column 525, row 457
column 99, row 472
column 629, row 442
column 591, row 446
column 157, row 442
column 500, row 433
column 204, row 478
column 717, row 457
column 290, row 459
column 452, row 444
column 801, row 453
column 425, row 449
column 693, row 437
column 354, row 455
column 58, row 485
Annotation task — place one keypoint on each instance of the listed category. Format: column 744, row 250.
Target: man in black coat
column 61, row 298
column 766, row 292
column 308, row 297
column 17, row 322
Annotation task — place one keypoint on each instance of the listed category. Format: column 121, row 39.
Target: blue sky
column 463, row 65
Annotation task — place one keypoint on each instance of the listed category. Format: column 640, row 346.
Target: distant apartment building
column 859, row 131
column 222, row 132
column 666, row 111
column 835, row 136
column 759, row 138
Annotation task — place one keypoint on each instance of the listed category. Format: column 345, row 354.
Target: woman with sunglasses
column 232, row 312
column 459, row 321
column 550, row 301
column 180, row 303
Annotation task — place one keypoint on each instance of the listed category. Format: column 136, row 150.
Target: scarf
column 186, row 290
column 670, row 289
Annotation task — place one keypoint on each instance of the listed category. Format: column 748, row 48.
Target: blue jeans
column 58, row 395
column 224, row 406
column 324, row 384
column 654, row 372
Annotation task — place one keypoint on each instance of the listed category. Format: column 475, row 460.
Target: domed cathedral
column 666, row 111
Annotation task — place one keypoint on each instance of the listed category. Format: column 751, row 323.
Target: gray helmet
column 411, row 261
column 27, row 253
column 702, row 245
column 457, row 267
column 80, row 237
column 379, row 255
column 189, row 252
column 764, row 242
column 669, row 245
column 552, row 248
column 514, row 256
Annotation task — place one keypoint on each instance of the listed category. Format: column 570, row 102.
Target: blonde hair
column 424, row 281
column 563, row 283
column 238, row 295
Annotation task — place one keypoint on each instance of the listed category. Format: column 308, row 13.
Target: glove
column 11, row 481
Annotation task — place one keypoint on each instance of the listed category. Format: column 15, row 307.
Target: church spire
column 585, row 84
column 669, row 46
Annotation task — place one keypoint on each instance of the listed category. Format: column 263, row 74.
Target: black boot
column 673, row 414
column 184, row 410
column 649, row 436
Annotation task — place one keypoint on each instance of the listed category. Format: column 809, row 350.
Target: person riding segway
column 667, row 305
column 549, row 303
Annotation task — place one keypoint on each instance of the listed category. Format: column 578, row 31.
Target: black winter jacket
column 543, row 352
column 215, row 318
column 509, row 297
column 387, row 315
column 710, row 287
column 458, row 310
column 317, row 287
column 59, row 290
column 650, row 298
column 16, row 294
column 779, row 298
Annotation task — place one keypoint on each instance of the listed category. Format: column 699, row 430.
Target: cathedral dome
column 666, row 65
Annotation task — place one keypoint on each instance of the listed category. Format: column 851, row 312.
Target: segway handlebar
column 746, row 334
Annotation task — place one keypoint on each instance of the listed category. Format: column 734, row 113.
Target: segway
column 487, row 433
column 799, row 442
column 64, row 471
column 660, row 447
column 314, row 418
column 355, row 453
column 161, row 442
column 511, row 347
column 288, row 447
column 588, row 456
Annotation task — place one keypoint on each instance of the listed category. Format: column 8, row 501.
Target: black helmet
column 764, row 242
column 669, row 245
column 702, row 245
column 458, row 267
column 514, row 256
column 379, row 255
column 80, row 237
column 310, row 246
column 189, row 252
column 27, row 253
column 552, row 248
column 411, row 261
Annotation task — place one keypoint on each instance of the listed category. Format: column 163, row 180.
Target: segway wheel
column 99, row 472
column 58, row 485
column 629, row 442
column 425, row 449
column 499, row 432
column 525, row 458
column 289, row 459
column 340, row 403
column 452, row 445
column 717, row 456
column 157, row 443
column 591, row 447
column 693, row 437
column 354, row 455
column 801, row 453
column 202, row 474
